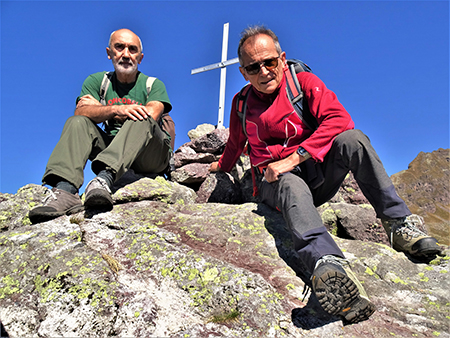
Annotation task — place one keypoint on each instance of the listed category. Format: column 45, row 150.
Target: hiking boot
column 98, row 195
column 405, row 236
column 57, row 203
column 338, row 290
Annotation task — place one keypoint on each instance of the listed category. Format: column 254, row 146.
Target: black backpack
column 294, row 92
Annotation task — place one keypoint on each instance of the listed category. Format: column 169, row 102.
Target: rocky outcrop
column 425, row 186
column 161, row 265
column 425, row 183
column 201, row 259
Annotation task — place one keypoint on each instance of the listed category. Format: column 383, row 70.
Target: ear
column 107, row 52
column 142, row 56
column 283, row 57
column 244, row 74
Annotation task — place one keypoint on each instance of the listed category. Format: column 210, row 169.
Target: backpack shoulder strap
column 241, row 109
column 295, row 93
column 104, row 87
column 149, row 84
column 241, row 105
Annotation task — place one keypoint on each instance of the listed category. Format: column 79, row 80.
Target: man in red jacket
column 298, row 170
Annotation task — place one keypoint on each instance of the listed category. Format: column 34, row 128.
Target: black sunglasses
column 254, row 68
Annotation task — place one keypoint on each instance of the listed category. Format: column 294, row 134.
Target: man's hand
column 132, row 111
column 214, row 167
column 275, row 169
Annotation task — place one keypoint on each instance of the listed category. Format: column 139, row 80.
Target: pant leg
column 292, row 196
column 353, row 151
column 81, row 139
column 140, row 145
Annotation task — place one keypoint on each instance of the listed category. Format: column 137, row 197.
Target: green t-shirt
column 125, row 93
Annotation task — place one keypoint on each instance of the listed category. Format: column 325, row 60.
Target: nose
column 264, row 70
column 126, row 52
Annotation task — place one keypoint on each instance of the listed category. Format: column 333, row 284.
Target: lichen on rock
column 167, row 263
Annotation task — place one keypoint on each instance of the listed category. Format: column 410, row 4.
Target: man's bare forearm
column 155, row 109
column 97, row 114
column 88, row 106
column 91, row 108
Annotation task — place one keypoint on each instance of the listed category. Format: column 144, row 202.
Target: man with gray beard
column 130, row 105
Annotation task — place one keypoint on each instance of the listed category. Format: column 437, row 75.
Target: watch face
column 303, row 152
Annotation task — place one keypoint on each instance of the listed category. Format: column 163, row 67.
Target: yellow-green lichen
column 290, row 286
column 75, row 261
column 394, row 278
column 11, row 286
column 423, row 278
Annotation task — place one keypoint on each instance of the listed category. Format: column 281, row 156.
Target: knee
column 145, row 126
column 144, row 122
column 78, row 121
column 352, row 139
column 293, row 185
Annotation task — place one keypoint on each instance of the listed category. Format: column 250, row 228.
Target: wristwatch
column 302, row 152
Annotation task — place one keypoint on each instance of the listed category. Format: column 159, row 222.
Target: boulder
column 191, row 174
column 213, row 142
column 219, row 187
column 200, row 130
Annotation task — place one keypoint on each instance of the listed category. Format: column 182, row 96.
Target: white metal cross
column 223, row 73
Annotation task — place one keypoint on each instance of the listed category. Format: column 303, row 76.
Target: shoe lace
column 408, row 229
column 332, row 259
column 100, row 181
column 306, row 291
column 51, row 197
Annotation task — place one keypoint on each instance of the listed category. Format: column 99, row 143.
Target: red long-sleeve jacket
column 274, row 129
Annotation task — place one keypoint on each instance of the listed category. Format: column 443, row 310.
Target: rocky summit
column 197, row 256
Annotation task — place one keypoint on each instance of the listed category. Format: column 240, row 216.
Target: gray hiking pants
column 140, row 145
column 297, row 193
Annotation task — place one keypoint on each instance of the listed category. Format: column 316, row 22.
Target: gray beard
column 125, row 71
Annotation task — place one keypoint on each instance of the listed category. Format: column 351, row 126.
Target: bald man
column 131, row 136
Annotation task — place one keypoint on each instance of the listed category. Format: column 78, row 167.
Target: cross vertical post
column 223, row 73
column 223, row 76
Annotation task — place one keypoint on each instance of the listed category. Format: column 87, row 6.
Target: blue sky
column 387, row 61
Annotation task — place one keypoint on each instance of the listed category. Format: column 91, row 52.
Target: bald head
column 125, row 30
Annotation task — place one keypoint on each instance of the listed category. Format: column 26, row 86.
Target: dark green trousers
column 140, row 145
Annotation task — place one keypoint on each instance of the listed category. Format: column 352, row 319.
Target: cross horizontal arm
column 214, row 66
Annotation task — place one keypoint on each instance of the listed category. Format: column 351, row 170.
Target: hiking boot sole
column 338, row 295
column 46, row 215
column 98, row 199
